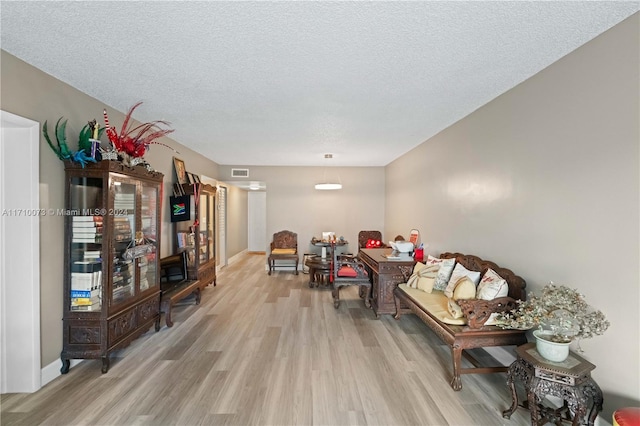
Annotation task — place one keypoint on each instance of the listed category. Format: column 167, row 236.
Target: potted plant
column 561, row 316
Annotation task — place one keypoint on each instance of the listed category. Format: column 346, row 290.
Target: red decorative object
column 134, row 142
column 373, row 243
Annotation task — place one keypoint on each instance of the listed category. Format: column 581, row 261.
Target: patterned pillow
column 458, row 272
column 492, row 285
column 444, row 273
column 423, row 277
column 413, row 279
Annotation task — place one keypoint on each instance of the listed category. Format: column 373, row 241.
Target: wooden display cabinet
column 111, row 274
column 197, row 235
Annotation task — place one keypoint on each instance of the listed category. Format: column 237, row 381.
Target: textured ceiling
column 283, row 83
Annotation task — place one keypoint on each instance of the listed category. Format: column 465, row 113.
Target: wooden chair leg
column 336, row 297
column 456, row 353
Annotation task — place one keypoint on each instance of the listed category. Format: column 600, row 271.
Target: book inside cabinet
column 111, row 273
column 196, row 236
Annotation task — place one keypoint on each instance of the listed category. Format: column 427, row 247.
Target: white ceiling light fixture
column 328, row 185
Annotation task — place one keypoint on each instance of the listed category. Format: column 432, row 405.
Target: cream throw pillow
column 458, row 272
column 423, row 277
column 444, row 273
column 454, row 309
column 492, row 285
column 464, row 289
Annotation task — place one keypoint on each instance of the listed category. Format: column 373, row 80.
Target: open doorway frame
column 20, row 360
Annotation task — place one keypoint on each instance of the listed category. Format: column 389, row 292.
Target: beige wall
column 545, row 180
column 293, row 203
column 237, row 225
column 30, row 93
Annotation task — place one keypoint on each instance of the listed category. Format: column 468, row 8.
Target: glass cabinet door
column 210, row 225
column 123, row 233
column 86, row 214
column 148, row 262
column 203, row 228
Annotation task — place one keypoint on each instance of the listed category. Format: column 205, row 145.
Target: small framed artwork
column 181, row 171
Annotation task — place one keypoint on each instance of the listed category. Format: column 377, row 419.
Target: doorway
column 20, row 364
column 257, row 218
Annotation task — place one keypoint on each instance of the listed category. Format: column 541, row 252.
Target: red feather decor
column 133, row 142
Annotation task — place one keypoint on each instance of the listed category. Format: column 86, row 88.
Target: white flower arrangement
column 561, row 311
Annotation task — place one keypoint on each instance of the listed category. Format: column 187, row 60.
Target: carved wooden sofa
column 284, row 247
column 475, row 334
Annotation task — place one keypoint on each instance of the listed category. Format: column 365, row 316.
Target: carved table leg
column 593, row 390
column 66, row 363
column 456, row 354
column 336, row 296
column 514, row 395
column 577, row 402
column 532, row 400
column 521, row 370
column 270, row 266
column 312, row 277
column 198, row 296
column 105, row 364
column 157, row 323
column 167, row 316
column 396, row 300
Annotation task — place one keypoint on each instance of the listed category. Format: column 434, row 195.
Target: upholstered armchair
column 284, row 247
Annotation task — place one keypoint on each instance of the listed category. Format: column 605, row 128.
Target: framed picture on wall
column 181, row 171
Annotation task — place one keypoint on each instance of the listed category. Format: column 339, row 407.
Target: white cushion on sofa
column 492, row 285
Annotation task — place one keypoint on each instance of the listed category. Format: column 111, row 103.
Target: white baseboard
column 52, row 370
column 236, row 257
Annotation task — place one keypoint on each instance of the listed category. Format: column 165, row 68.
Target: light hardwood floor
column 269, row 350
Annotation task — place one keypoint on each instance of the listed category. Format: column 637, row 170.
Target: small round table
column 319, row 271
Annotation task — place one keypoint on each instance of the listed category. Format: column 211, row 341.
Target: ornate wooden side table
column 569, row 380
column 319, row 271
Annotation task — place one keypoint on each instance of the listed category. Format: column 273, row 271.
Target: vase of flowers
column 561, row 316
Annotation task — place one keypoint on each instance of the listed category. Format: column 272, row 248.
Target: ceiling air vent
column 239, row 172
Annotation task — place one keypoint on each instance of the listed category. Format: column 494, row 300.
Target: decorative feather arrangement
column 62, row 149
column 133, row 142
